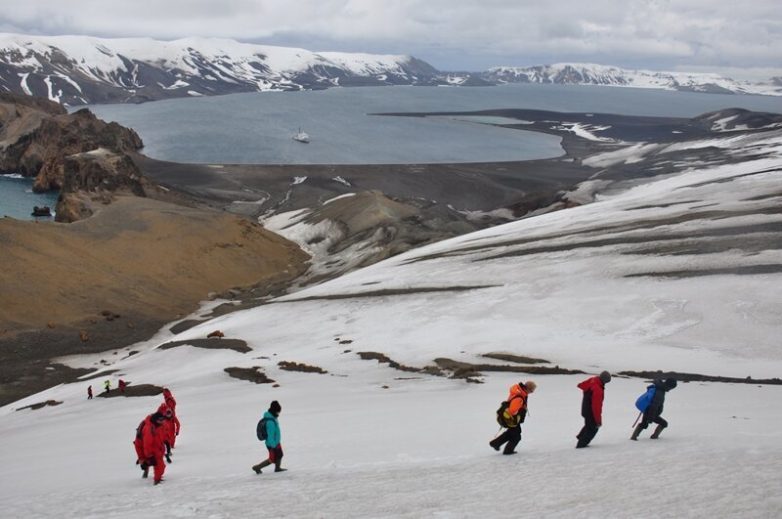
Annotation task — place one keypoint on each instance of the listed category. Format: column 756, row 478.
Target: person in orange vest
column 512, row 416
column 592, row 407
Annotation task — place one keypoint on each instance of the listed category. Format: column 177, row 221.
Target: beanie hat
column 275, row 407
column 605, row 377
column 531, row 386
column 670, row 383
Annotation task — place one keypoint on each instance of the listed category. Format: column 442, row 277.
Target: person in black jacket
column 655, row 410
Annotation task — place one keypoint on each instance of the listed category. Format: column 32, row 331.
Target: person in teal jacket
column 273, row 439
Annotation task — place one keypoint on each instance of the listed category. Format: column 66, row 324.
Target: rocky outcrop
column 37, row 135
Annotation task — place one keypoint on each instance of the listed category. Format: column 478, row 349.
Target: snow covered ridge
column 82, row 69
column 593, row 74
column 77, row 70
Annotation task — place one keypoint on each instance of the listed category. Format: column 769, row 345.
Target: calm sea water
column 17, row 198
column 257, row 127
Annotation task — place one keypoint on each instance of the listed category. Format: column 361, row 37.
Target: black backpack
column 260, row 429
column 519, row 418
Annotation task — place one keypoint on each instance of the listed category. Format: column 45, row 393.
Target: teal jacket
column 273, row 436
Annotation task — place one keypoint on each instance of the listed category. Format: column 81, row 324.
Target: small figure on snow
column 107, row 386
column 511, row 415
column 269, row 431
column 89, row 392
column 172, row 426
column 592, row 407
column 122, row 385
column 654, row 408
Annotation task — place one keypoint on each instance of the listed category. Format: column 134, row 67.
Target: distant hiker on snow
column 511, row 415
column 122, row 386
column 89, row 392
column 172, row 426
column 651, row 404
column 269, row 431
column 149, row 443
column 592, row 407
column 107, row 386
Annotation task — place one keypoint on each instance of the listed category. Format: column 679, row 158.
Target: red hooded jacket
column 593, row 398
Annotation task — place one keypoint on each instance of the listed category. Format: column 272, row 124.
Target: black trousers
column 511, row 436
column 587, row 432
column 657, row 419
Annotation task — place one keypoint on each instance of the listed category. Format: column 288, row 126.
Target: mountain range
column 76, row 70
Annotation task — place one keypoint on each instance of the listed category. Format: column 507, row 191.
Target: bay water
column 258, row 127
column 17, row 198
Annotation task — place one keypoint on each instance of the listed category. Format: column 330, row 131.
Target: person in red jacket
column 172, row 425
column 592, row 407
column 149, row 443
column 513, row 417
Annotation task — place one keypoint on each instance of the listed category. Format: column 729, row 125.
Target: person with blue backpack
column 268, row 431
column 651, row 405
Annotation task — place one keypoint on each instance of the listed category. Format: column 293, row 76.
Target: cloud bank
column 451, row 34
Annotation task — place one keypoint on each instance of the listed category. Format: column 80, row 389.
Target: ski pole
column 636, row 420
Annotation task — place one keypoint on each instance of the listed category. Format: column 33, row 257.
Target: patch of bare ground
column 383, row 359
column 40, row 405
column 102, row 374
column 211, row 344
column 253, row 374
column 467, row 370
column 519, row 359
column 117, row 277
column 298, row 366
column 697, row 377
column 133, row 390
column 392, row 292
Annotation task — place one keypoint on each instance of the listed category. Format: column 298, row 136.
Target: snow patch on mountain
column 594, row 74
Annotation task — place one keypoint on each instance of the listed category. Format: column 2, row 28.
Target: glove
column 168, row 458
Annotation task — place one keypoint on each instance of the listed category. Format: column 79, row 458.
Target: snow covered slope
column 681, row 272
column 592, row 74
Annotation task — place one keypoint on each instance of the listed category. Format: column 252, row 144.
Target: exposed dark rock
column 297, row 366
column 696, row 377
column 212, row 344
column 133, row 390
column 466, row 369
column 253, row 374
column 40, row 405
column 520, row 359
column 383, row 359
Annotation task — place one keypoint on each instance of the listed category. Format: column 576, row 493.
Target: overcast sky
column 692, row 35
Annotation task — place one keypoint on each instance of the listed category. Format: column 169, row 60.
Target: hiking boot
column 145, row 472
column 636, row 432
column 494, row 445
column 657, row 431
column 257, row 469
column 158, row 481
column 278, row 469
column 509, row 453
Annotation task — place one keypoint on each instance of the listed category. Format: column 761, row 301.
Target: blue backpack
column 645, row 400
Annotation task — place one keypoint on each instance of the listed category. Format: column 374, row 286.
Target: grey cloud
column 700, row 32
